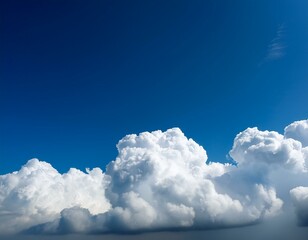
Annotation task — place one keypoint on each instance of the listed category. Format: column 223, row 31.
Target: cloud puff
column 284, row 159
column 159, row 180
column 37, row 193
column 268, row 149
column 298, row 131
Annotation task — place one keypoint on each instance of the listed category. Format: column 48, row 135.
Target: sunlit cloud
column 160, row 181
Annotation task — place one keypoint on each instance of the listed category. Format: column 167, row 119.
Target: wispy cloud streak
column 276, row 48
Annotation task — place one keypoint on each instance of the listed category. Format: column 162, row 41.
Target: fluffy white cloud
column 284, row 159
column 169, row 173
column 37, row 193
column 159, row 180
column 298, row 131
column 268, row 149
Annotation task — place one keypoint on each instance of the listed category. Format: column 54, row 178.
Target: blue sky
column 77, row 76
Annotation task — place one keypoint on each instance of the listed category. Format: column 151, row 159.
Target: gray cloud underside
column 163, row 180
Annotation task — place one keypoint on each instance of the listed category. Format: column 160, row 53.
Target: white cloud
column 283, row 157
column 168, row 172
column 298, row 131
column 159, row 180
column 37, row 193
column 268, row 149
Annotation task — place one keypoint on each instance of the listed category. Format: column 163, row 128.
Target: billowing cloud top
column 298, row 131
column 159, row 180
column 38, row 193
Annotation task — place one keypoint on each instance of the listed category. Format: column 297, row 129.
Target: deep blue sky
column 77, row 76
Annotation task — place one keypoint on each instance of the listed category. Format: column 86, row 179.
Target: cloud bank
column 162, row 180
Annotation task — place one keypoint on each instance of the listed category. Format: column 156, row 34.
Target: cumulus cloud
column 298, row 131
column 300, row 200
column 159, row 180
column 37, row 193
column 268, row 149
column 284, row 159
